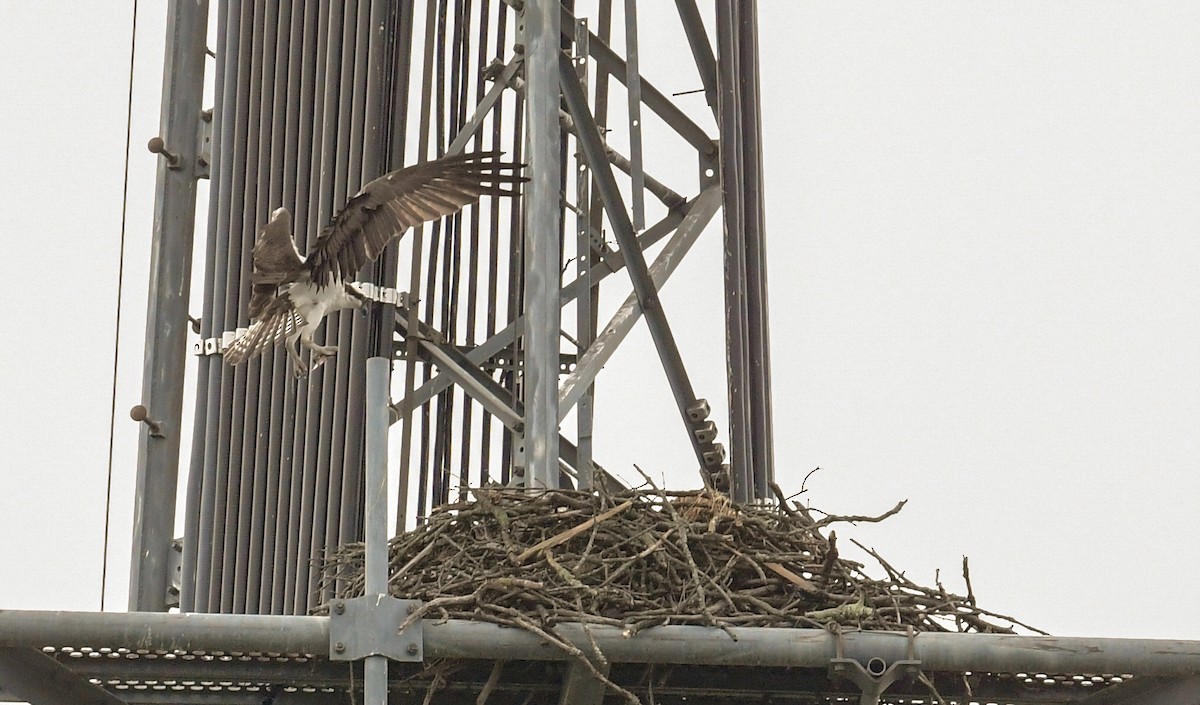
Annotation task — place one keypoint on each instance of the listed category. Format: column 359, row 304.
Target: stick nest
column 638, row 559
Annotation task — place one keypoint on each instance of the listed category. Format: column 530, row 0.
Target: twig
column 573, row 531
column 831, row 518
column 967, row 579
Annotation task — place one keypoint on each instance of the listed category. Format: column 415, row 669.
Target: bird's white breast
column 314, row 303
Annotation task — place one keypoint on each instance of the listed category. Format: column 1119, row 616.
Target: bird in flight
column 291, row 294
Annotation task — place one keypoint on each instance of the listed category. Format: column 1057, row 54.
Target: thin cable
column 112, row 416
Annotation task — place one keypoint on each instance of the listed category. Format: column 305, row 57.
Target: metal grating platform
column 144, row 676
column 171, row 658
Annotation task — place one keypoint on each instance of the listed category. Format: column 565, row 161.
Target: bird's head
column 282, row 216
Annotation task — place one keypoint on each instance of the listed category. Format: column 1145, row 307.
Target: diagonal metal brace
column 367, row 626
column 635, row 262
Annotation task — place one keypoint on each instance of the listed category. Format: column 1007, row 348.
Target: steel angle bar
column 484, row 108
column 37, row 678
column 702, row 51
column 611, row 264
column 586, row 249
column 643, row 285
column 598, row 354
column 633, row 85
column 167, row 311
column 459, row 368
column 661, row 191
column 661, row 105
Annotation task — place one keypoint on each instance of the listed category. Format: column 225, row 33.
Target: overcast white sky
column 984, row 238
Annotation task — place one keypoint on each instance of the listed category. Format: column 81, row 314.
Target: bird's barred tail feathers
column 263, row 334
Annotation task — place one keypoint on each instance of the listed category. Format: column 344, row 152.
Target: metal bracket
column 204, row 145
column 710, row 168
column 878, row 674
column 367, row 626
column 174, row 572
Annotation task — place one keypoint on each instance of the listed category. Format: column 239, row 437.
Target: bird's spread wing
column 396, row 201
column 276, row 261
column 271, row 328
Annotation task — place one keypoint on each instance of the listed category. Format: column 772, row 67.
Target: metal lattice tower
column 463, row 357
column 315, row 99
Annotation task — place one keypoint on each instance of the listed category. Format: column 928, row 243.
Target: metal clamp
column 384, row 294
column 367, row 626
column 878, row 674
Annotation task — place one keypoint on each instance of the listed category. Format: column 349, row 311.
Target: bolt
column 140, row 413
column 412, row 608
column 413, row 648
column 157, row 146
column 339, row 607
column 339, row 647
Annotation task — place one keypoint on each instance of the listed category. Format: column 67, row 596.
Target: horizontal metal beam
column 158, row 631
column 696, row 645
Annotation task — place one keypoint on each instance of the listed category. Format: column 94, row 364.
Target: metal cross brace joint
column 369, row 626
column 878, row 674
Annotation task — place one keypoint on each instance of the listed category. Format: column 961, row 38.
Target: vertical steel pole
column 375, row 669
column 585, row 321
column 633, row 84
column 167, row 310
column 542, row 244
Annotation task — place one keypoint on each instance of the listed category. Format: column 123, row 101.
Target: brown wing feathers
column 397, row 201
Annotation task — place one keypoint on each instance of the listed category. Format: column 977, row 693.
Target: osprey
column 291, row 294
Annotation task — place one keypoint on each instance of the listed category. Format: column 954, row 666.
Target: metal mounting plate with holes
column 367, row 626
column 875, row 677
